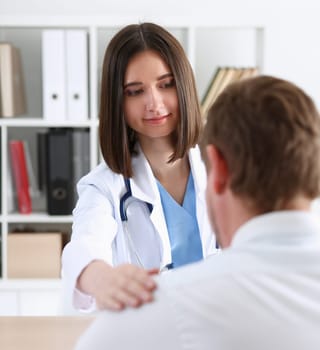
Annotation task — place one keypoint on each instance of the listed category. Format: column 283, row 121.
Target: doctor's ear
column 217, row 169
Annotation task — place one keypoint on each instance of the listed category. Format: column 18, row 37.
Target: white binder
column 77, row 75
column 53, row 75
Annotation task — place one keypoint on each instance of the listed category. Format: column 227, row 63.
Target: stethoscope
column 142, row 239
column 127, row 196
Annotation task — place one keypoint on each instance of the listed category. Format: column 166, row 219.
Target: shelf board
column 38, row 284
column 39, row 122
column 37, row 217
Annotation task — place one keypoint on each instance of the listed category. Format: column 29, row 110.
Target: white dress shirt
column 263, row 292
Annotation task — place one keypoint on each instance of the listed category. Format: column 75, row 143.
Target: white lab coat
column 97, row 231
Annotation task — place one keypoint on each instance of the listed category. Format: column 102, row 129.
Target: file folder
column 42, row 160
column 53, row 75
column 77, row 75
column 81, row 156
column 59, row 172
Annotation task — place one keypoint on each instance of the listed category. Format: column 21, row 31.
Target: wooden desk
column 41, row 333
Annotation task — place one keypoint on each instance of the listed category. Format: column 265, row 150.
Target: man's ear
column 217, row 169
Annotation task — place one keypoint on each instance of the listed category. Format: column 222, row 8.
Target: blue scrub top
column 182, row 225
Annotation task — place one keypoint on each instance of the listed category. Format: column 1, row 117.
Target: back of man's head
column 268, row 131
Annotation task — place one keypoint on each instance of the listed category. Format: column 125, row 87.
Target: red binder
column 20, row 176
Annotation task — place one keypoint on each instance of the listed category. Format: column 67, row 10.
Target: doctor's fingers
column 126, row 285
column 129, row 272
column 127, row 299
column 133, row 286
column 153, row 271
column 119, row 296
column 107, row 302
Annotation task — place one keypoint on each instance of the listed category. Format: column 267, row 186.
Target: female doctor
column 143, row 209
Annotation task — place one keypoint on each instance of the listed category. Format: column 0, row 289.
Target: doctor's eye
column 133, row 92
column 167, row 83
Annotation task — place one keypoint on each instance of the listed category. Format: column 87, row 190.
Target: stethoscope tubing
column 125, row 197
column 124, row 218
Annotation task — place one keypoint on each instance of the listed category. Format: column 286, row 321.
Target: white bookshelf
column 207, row 46
column 30, row 297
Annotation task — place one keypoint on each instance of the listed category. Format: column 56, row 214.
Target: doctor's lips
column 156, row 119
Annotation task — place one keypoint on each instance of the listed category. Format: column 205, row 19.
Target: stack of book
column 223, row 77
column 63, row 158
column 12, row 93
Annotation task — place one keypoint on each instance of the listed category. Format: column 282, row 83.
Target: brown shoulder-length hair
column 268, row 130
column 117, row 140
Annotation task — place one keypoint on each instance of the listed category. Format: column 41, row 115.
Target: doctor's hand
column 115, row 288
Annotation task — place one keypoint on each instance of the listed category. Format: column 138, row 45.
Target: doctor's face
column 150, row 97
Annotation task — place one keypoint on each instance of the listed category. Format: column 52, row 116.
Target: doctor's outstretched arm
column 115, row 288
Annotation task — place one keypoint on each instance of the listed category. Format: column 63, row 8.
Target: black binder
column 42, row 161
column 59, row 172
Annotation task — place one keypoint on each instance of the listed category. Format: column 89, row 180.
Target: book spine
column 20, row 175
column 12, row 92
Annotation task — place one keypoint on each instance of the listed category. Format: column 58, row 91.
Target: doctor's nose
column 153, row 101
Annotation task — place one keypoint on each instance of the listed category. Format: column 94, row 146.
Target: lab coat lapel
column 144, row 187
column 143, row 184
column 200, row 180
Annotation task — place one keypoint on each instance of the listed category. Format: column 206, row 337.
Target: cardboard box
column 34, row 255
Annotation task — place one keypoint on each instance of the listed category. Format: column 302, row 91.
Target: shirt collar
column 278, row 226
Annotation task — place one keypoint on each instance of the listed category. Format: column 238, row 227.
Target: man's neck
column 240, row 211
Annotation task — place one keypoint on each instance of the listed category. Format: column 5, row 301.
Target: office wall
column 291, row 48
column 157, row 7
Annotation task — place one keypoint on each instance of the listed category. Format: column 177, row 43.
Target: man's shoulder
column 212, row 272
column 141, row 328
